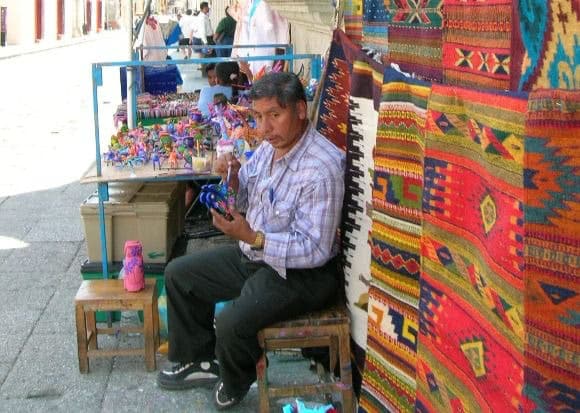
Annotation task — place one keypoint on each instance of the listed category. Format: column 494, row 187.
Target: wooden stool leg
column 345, row 368
column 333, row 350
column 262, row 378
column 156, row 321
column 82, row 339
column 91, row 330
column 149, row 337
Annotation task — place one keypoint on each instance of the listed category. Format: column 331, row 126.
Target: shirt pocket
column 252, row 178
column 280, row 217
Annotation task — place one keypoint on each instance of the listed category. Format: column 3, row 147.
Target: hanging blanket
column 332, row 119
column 477, row 43
column 471, row 329
column 415, row 37
column 356, row 227
column 389, row 376
column 375, row 19
column 353, row 20
column 546, row 48
column 552, row 254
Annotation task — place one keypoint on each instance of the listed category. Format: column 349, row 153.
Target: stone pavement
column 41, row 251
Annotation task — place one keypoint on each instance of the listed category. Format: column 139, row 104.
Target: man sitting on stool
column 292, row 190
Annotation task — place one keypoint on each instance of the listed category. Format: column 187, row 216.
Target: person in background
column 203, row 34
column 211, row 74
column 224, row 85
column 224, row 34
column 284, row 265
column 187, row 26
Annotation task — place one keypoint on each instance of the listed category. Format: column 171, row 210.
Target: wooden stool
column 110, row 295
column 329, row 328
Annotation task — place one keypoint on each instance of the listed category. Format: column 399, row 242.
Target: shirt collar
column 293, row 157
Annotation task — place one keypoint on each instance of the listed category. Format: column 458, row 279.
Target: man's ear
column 302, row 109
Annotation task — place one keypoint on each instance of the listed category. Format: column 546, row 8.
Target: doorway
column 59, row 19
column 38, row 23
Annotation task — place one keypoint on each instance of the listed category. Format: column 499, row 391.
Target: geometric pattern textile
column 415, row 39
column 477, row 43
column 332, row 119
column 356, row 222
column 389, row 376
column 546, row 49
column 471, row 327
column 552, row 251
column 353, row 20
column 375, row 18
column 356, row 215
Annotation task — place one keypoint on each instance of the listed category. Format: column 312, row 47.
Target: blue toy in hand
column 218, row 197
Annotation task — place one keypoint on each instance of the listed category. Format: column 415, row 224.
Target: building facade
column 30, row 21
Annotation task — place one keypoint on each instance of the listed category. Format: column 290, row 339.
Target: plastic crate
column 153, row 213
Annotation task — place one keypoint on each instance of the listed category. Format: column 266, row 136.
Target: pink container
column 133, row 272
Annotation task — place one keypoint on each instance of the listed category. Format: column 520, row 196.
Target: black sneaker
column 183, row 376
column 222, row 400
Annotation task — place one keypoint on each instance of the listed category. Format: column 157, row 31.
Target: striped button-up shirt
column 296, row 203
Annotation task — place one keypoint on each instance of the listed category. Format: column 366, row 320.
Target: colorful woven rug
column 470, row 353
column 546, row 50
column 415, row 37
column 353, row 20
column 333, row 111
column 389, row 377
column 358, row 196
column 477, row 43
column 552, row 253
column 375, row 19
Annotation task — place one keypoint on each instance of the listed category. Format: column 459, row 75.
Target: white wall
column 19, row 29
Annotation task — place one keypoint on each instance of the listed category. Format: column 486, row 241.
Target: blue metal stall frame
column 97, row 77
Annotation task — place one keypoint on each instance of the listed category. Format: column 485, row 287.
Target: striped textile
column 477, row 43
column 353, row 20
column 389, row 378
column 471, row 328
column 415, row 37
column 375, row 19
column 552, row 251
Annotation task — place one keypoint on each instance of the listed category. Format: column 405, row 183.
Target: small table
column 110, row 295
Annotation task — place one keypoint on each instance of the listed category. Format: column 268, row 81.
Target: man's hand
column 225, row 162
column 237, row 228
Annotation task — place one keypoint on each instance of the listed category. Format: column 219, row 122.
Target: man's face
column 281, row 127
column 205, row 9
column 211, row 77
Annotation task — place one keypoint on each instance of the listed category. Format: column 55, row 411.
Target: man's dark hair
column 203, row 5
column 189, row 12
column 208, row 67
column 284, row 86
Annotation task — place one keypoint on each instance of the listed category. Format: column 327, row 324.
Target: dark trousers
column 259, row 295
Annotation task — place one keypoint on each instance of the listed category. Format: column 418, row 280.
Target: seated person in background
column 224, row 85
column 237, row 79
column 190, row 192
column 292, row 190
column 210, row 73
